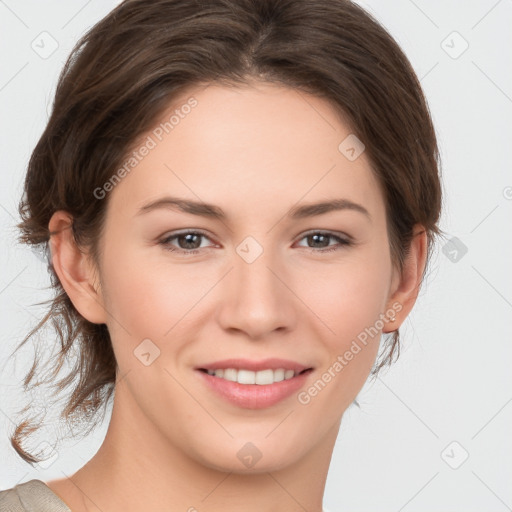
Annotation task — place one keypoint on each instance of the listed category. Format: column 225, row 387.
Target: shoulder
column 31, row 495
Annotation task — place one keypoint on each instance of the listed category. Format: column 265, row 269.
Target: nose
column 257, row 298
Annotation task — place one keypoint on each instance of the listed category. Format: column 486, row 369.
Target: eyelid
column 344, row 240
column 327, row 232
column 174, row 234
column 199, row 231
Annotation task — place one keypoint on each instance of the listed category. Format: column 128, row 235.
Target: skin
column 255, row 151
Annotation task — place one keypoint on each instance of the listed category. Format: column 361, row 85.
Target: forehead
column 247, row 148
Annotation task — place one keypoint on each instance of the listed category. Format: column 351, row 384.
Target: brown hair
column 124, row 73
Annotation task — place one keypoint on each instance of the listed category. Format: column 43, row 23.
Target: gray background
column 430, row 434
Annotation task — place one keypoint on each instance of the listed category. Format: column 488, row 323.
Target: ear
column 75, row 269
column 406, row 285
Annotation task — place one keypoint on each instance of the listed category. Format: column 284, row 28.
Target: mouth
column 260, row 378
column 254, row 384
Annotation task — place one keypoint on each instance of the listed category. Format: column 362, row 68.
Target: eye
column 320, row 238
column 188, row 242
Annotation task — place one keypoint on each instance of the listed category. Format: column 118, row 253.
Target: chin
column 261, row 466
column 242, row 456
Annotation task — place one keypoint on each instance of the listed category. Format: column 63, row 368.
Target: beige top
column 34, row 496
column 31, row 496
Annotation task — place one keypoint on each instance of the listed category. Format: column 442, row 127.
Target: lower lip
column 254, row 396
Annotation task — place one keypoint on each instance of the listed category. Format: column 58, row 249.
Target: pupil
column 188, row 238
column 316, row 237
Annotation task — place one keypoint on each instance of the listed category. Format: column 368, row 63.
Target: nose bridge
column 258, row 302
column 257, row 283
column 255, row 275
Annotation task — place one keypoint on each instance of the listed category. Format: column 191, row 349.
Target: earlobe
column 75, row 269
column 405, row 291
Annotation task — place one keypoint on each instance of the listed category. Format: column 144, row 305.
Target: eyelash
column 342, row 242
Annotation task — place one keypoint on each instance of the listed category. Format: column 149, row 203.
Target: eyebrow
column 212, row 211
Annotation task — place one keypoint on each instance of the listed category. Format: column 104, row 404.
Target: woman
column 238, row 198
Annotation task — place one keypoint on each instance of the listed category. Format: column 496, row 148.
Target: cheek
column 160, row 292
column 150, row 299
column 351, row 310
column 347, row 297
column 349, row 300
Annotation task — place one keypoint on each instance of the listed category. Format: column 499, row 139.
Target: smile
column 260, row 378
column 251, row 384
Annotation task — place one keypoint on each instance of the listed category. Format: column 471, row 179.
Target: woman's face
column 262, row 277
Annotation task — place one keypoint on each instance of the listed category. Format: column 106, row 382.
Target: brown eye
column 189, row 242
column 320, row 240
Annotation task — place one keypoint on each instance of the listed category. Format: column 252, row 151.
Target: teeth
column 279, row 375
column 263, row 377
column 288, row 374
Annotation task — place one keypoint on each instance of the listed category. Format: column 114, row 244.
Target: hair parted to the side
column 126, row 71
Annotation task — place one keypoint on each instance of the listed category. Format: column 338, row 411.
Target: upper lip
column 248, row 364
